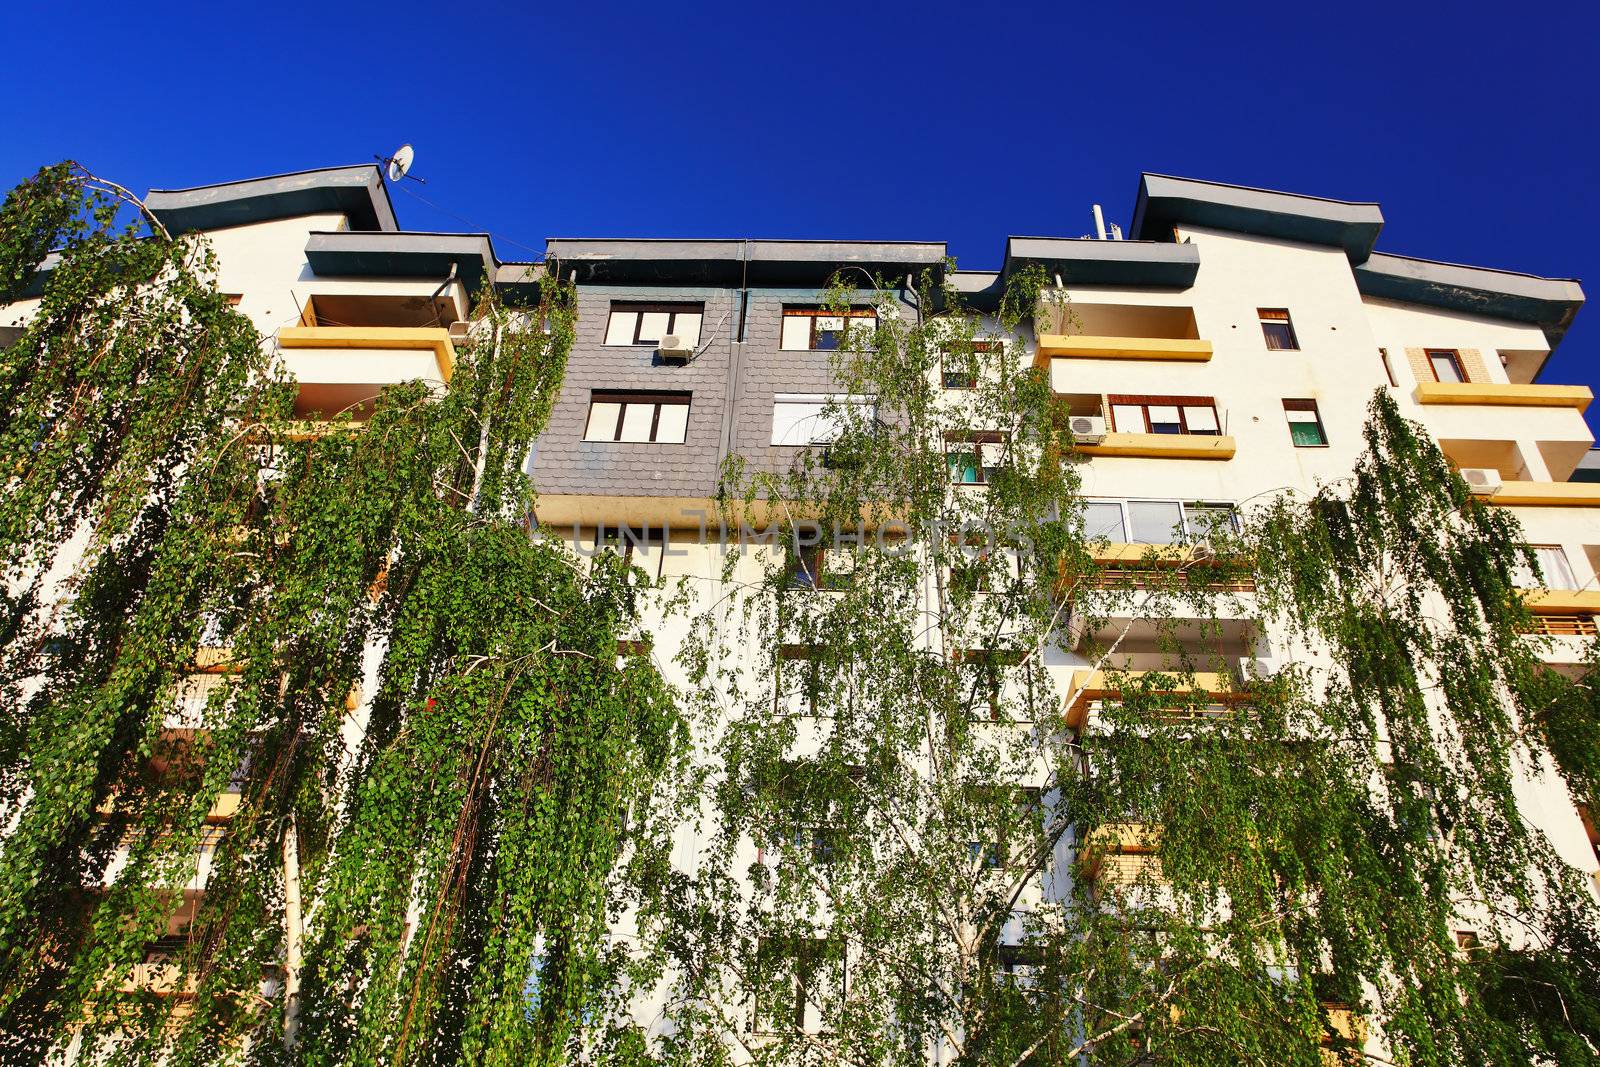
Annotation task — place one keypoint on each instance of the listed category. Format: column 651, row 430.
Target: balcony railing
column 1075, row 346
column 1546, row 494
column 1504, row 394
column 343, row 368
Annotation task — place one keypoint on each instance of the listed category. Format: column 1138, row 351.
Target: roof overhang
column 353, row 253
column 735, row 262
column 1085, row 261
column 1165, row 201
column 356, row 192
column 1550, row 303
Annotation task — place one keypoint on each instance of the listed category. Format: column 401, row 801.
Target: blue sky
column 1475, row 128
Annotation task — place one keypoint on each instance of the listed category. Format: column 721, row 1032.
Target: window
column 1010, row 819
column 639, row 547
column 976, row 459
column 804, row 419
column 959, row 364
column 662, row 418
column 816, row 567
column 1554, row 570
column 1305, row 424
column 1446, row 364
column 1165, row 415
column 818, row 330
column 647, row 324
column 798, row 981
column 1277, row 329
column 233, row 299
column 1156, row 522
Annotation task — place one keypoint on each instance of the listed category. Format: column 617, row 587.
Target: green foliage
column 456, row 839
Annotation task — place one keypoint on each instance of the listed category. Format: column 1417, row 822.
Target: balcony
column 1090, row 687
column 1496, row 394
column 344, row 368
column 1088, row 346
column 1120, row 854
column 1546, row 494
column 1119, row 331
column 1163, row 446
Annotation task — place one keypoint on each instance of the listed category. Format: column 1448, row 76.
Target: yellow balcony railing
column 1547, row 494
column 390, row 338
column 1499, row 394
column 1163, row 446
column 1063, row 346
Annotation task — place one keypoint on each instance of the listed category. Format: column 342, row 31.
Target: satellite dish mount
column 398, row 165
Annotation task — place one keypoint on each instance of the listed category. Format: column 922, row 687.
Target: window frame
column 971, row 444
column 1454, row 356
column 639, row 309
column 623, row 398
column 967, row 382
column 1297, row 404
column 1269, row 317
column 1185, row 506
column 1542, row 580
column 823, row 578
column 821, row 401
column 814, row 313
column 1146, row 402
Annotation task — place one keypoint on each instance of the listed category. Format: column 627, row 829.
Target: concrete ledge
column 1498, row 395
column 1562, row 601
column 1547, row 494
column 1162, row 446
column 412, row 338
column 1058, row 346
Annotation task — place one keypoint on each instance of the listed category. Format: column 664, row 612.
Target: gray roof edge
column 1148, row 174
column 1496, row 279
column 1094, row 249
column 1164, row 199
column 278, row 196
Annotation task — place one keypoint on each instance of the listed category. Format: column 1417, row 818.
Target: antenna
column 398, row 165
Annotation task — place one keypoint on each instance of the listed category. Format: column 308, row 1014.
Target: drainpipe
column 433, row 301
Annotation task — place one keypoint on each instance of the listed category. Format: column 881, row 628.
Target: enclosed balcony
column 1119, row 331
column 348, row 349
column 1149, row 426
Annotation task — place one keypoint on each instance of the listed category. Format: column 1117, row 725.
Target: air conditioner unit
column 1484, row 481
column 1088, row 429
column 674, row 349
column 460, row 332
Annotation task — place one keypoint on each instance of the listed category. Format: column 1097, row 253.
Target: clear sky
column 1474, row 127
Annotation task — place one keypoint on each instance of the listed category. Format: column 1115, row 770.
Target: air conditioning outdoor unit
column 674, row 349
column 1088, row 429
column 1484, row 481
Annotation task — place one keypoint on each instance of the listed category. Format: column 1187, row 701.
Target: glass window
column 1277, row 329
column 1103, row 518
column 1305, row 424
column 1208, row 520
column 799, row 419
column 975, row 462
column 647, row 324
column 1155, row 522
column 816, row 330
column 1446, row 364
column 1554, row 570
column 660, row 418
column 959, row 365
column 1165, row 415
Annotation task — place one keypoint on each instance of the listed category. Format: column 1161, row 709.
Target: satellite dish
column 400, row 162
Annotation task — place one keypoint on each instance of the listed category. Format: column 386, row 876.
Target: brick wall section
column 565, row 463
column 766, row 370
column 1472, row 364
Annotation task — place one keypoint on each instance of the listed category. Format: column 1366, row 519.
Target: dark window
column 1277, row 329
column 647, row 324
column 816, row 567
column 1165, row 415
column 1446, row 364
column 959, row 364
column 1305, row 424
column 661, row 418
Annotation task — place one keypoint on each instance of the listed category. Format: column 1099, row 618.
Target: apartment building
column 1225, row 351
